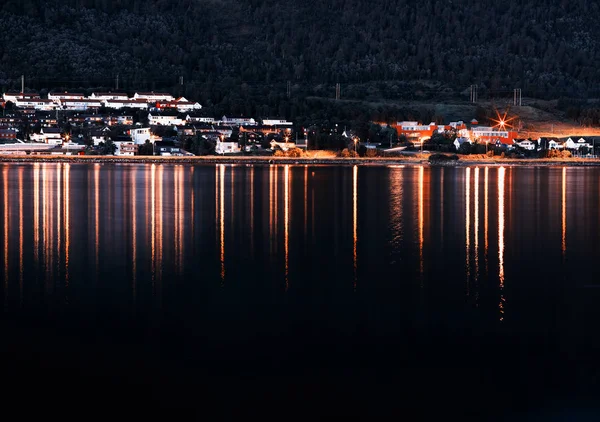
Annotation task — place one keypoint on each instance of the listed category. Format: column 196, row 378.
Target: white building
column 59, row 96
column 103, row 96
column 80, row 105
column 100, row 136
column 164, row 120
column 209, row 120
column 140, row 135
column 152, row 97
column 125, row 148
column 14, row 96
column 527, row 144
column 39, row 104
column 226, row 147
column 576, row 144
column 117, row 104
column 237, row 121
column 48, row 135
column 276, row 122
column 283, row 145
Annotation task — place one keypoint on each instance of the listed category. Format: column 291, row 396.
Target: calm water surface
column 385, row 287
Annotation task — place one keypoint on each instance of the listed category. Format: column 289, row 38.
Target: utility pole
column 289, row 89
column 117, row 83
column 517, row 97
column 338, row 91
column 473, row 94
column 22, row 85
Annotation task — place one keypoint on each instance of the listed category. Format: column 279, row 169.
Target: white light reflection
column 476, row 230
column 501, row 180
column 355, row 223
column 287, row 223
column 468, row 227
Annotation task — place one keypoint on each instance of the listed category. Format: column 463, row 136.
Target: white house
column 276, row 122
column 81, row 104
column 102, row 96
column 183, row 105
column 140, row 135
column 59, row 96
column 48, row 135
column 238, row 121
column 526, row 144
column 152, row 97
column 39, row 104
column 461, row 140
column 140, row 104
column 283, row 145
column 125, row 148
column 100, row 135
column 576, row 144
column 226, row 147
column 210, row 120
column 14, row 96
column 164, row 120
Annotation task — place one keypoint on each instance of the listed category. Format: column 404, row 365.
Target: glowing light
column 222, row 218
column 355, row 222
column 501, row 180
column 468, row 227
column 421, row 264
column 287, row 223
column 503, row 121
column 564, row 211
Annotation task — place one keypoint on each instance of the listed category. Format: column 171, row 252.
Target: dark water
column 301, row 292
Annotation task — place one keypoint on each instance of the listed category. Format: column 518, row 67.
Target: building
column 526, row 144
column 80, row 104
column 98, row 136
column 181, row 104
column 276, row 122
column 48, row 135
column 168, row 148
column 284, row 146
column 14, row 96
column 491, row 135
column 226, row 147
column 414, row 131
column 576, row 143
column 197, row 119
column 37, row 104
column 165, row 119
column 238, row 121
column 118, row 120
column 125, row 146
column 117, row 104
column 103, row 96
column 152, row 97
column 57, row 97
column 8, row 134
column 140, row 135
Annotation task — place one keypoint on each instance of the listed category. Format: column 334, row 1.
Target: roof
column 51, row 130
column 85, row 100
column 128, row 101
column 153, row 93
column 72, row 94
column 114, row 94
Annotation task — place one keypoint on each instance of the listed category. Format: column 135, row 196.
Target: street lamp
column 355, row 144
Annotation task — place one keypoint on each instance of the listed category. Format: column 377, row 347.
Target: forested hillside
column 240, row 54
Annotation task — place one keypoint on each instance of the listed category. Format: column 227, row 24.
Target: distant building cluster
column 72, row 123
column 113, row 100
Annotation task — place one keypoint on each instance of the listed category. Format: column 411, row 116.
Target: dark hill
column 230, row 51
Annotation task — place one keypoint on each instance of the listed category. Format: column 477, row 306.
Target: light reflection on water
column 77, row 228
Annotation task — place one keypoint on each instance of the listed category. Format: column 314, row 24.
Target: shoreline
column 267, row 160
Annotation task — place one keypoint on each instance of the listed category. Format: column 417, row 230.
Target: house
column 103, row 96
column 164, row 119
column 492, row 135
column 140, row 135
column 98, row 136
column 152, row 97
column 125, row 146
column 117, row 104
column 48, row 135
column 414, row 131
column 226, row 147
column 167, row 148
column 118, row 120
column 8, row 134
column 57, row 97
column 37, row 104
column 80, row 104
column 14, row 96
column 575, row 143
column 197, row 119
column 459, row 141
column 526, row 144
column 181, row 104
column 284, row 146
column 550, row 143
column 276, row 122
column 238, row 121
